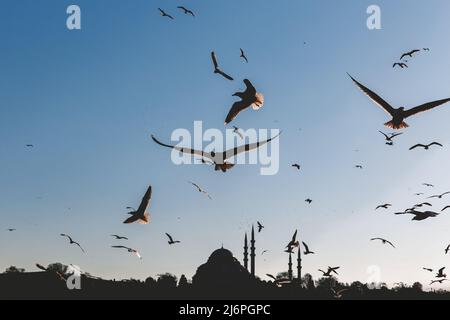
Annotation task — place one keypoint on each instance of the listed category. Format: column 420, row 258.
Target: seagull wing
column 436, row 144
column 186, row 150
column 236, row 108
column 246, row 148
column 226, row 76
column 251, row 90
column 145, row 200
column 306, row 246
column 170, row 237
column 417, row 146
column 384, row 134
column 214, row 60
column 425, row 107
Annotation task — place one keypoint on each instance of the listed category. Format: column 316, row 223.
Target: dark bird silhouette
column 309, row 201
column 400, row 64
column 426, row 49
column 243, row 56
column 307, row 251
column 141, row 215
column 217, row 69
column 164, row 14
column 439, row 196
column 278, row 282
column 428, row 269
column 428, row 185
column 41, row 267
column 438, row 281
column 186, row 11
column 119, row 237
column 418, row 215
column 171, row 241
column 441, row 273
column 201, row 190
column 447, row 249
column 29, row 146
column 72, row 242
column 237, row 132
column 409, row 54
column 130, row 250
column 249, row 98
column 295, row 165
column 426, row 146
column 384, row 241
column 10, row 230
column 390, row 138
column 359, row 167
column 447, row 207
column 260, row 226
column 330, row 271
column 419, row 194
column 218, row 158
column 293, row 243
column 384, row 206
column 264, row 251
column 400, row 114
column 420, row 205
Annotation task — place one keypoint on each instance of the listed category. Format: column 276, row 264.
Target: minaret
column 252, row 252
column 246, row 252
column 299, row 266
column 290, row 274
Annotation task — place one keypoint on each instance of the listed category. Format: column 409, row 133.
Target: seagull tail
column 392, row 125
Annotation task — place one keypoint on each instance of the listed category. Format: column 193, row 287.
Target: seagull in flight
column 441, row 273
column 309, row 201
column 400, row 114
column 428, row 185
column 447, row 249
column 187, row 11
column 293, row 243
column 201, row 190
column 260, row 226
column 217, row 69
column 264, row 251
column 447, row 207
column 249, row 98
column 171, row 241
column 10, row 230
column 237, row 132
column 29, row 145
column 438, row 281
column 384, row 241
column 359, row 167
column 243, row 56
column 428, row 269
column 218, row 158
column 141, row 215
column 330, row 271
column 72, row 242
column 420, row 216
column 297, row 166
column 390, row 138
column 307, row 251
column 384, row 206
column 400, row 64
column 409, row 54
column 130, row 250
column 439, row 196
column 164, row 14
column 119, row 237
column 426, row 146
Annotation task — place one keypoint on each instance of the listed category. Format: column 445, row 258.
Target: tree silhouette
column 14, row 269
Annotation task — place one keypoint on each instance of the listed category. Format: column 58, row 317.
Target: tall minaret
column 246, row 252
column 299, row 266
column 252, row 252
column 290, row 273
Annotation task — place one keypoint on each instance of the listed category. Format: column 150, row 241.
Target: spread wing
column 294, row 237
column 425, row 107
column 226, row 76
column 170, row 237
column 375, row 97
column 237, row 108
column 145, row 200
column 186, row 150
column 214, row 59
column 306, row 246
column 246, row 148
column 251, row 90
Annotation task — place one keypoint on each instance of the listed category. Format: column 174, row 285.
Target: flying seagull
column 237, row 132
column 428, row 185
column 359, row 167
column 130, row 250
column 309, row 201
column 29, row 146
column 384, row 241
column 119, row 237
column 400, row 114
column 249, row 98
column 186, row 11
column 384, row 206
column 218, row 158
column 264, row 251
column 428, row 269
column 447, row 249
column 307, row 251
column 297, row 166
column 141, row 215
column 400, row 64
column 164, row 14
column 260, row 226
column 201, row 190
column 217, row 70
column 71, row 241
column 420, row 205
column 390, row 138
column 439, row 196
column 293, row 243
column 438, row 281
column 426, row 146
column 409, row 54
column 10, row 230
column 330, row 271
column 171, row 241
column 441, row 273
column 243, row 56
column 420, row 216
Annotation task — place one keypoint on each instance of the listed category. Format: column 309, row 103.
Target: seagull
column 400, row 64
column 186, row 11
column 130, row 250
column 71, row 241
column 29, row 146
column 236, row 131
column 439, row 196
column 427, row 146
column 264, row 251
column 217, row 70
column 218, row 158
column 249, row 98
column 201, row 190
column 384, row 241
column 119, row 237
column 420, row 216
column 419, row 194
column 140, row 215
column 171, row 241
column 293, row 243
column 428, row 185
column 339, row 294
column 10, row 230
column 330, row 271
column 438, row 281
column 400, row 114
column 165, row 14
column 243, row 56
column 359, row 167
column 447, row 249
column 426, row 49
column 307, row 251
column 260, row 226
column 428, row 269
column 441, row 273
column 389, row 138
column 309, row 201
column 384, row 206
column 295, row 165
column 420, row 205
column 409, row 54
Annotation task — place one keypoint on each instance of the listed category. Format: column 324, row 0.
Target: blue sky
column 89, row 100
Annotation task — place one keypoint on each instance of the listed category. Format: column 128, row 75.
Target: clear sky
column 89, row 100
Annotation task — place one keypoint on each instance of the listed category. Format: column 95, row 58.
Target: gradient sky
column 89, row 100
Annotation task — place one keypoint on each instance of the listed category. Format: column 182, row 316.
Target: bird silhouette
column 428, row 185
column 237, row 132
column 218, row 158
column 130, row 250
column 439, row 196
column 307, row 251
column 330, row 271
column 409, row 54
column 428, row 269
column 243, row 56
column 260, row 226
column 358, row 166
column 420, row 205
column 399, row 114
column 140, row 215
column 249, row 98
column 72, row 242
column 384, row 241
column 390, row 138
column 441, row 273
column 438, row 281
column 426, row 146
column 217, row 69
column 400, row 64
column 171, row 241
column 264, row 251
column 29, row 146
column 309, row 201
column 418, row 215
column 293, row 243
column 445, row 208
column 119, row 237
column 297, row 166
column 164, row 14
column 384, row 206
column 201, row 190
column 186, row 11
column 426, row 49
column 447, row 249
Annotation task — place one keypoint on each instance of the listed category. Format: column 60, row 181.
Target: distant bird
column 130, row 250
column 420, row 216
column 390, row 138
column 400, row 114
column 260, row 226
column 264, row 251
column 243, row 56
column 307, row 251
column 447, row 249
column 237, row 132
column 384, row 206
column 164, row 14
column 186, row 11
column 419, row 194
column 384, row 241
column 439, row 196
column 141, row 215
column 330, row 271
column 441, row 273
column 297, row 166
column 438, row 281
column 171, row 241
column 309, row 201
column 426, row 146
column 420, row 205
column 409, row 54
column 119, row 237
column 201, row 190
column 29, row 146
column 72, row 242
column 426, row 49
column 11, row 230
column 359, row 167
column 427, row 185
column 427, row 269
column 338, row 294
column 249, row 98
column 218, row 158
column 217, row 69
column 400, row 64
column 293, row 243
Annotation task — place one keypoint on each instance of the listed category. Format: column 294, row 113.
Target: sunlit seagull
column 400, row 114
column 119, row 237
column 141, row 215
column 130, row 250
column 400, row 64
column 249, row 98
column 384, row 241
column 420, row 216
column 217, row 69
column 71, row 241
column 171, row 241
column 164, row 14
column 186, row 11
column 426, row 146
column 201, row 190
column 218, row 158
